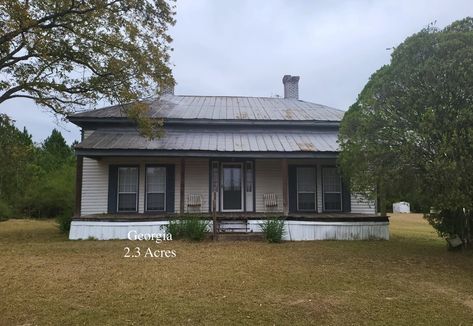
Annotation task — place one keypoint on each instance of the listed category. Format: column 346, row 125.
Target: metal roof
column 285, row 141
column 233, row 108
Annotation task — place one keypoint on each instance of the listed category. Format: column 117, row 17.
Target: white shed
column 401, row 207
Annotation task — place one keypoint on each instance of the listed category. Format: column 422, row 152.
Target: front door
column 232, row 187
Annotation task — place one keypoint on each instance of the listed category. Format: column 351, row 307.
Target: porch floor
column 320, row 217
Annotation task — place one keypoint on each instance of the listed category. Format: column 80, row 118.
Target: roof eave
column 99, row 153
column 87, row 121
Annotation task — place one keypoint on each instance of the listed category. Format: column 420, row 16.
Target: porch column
column 183, row 185
column 284, row 187
column 78, row 199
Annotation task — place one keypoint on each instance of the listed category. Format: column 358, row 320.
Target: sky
column 244, row 47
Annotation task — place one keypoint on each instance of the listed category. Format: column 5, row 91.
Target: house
column 249, row 158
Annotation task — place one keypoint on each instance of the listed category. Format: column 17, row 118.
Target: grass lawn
column 411, row 279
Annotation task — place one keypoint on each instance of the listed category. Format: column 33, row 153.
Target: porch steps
column 241, row 236
column 232, row 226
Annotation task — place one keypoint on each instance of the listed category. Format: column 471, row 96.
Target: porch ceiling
column 269, row 143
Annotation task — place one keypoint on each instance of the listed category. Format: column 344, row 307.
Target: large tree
column 411, row 128
column 66, row 54
column 35, row 180
column 55, row 152
column 17, row 153
column 51, row 192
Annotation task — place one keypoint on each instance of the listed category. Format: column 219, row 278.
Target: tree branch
column 5, row 96
column 12, row 54
column 37, row 23
column 48, row 98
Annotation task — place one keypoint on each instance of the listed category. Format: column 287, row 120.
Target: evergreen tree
column 55, row 151
column 17, row 154
column 411, row 128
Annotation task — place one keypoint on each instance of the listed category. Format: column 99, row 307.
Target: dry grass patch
column 49, row 280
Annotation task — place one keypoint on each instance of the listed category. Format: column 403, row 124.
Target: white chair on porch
column 270, row 201
column 194, row 203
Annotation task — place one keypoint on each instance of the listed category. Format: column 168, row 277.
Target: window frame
column 137, row 167
column 315, row 210
column 165, row 188
column 323, row 189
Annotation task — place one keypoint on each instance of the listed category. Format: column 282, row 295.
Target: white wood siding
column 362, row 205
column 268, row 179
column 295, row 230
column 308, row 230
column 83, row 230
column 94, row 187
column 197, row 182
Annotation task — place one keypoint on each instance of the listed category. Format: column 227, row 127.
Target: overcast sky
column 237, row 47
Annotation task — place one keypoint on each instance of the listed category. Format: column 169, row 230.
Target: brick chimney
column 291, row 86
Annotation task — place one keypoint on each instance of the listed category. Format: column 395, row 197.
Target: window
column 306, row 188
column 155, row 188
column 332, row 189
column 127, row 189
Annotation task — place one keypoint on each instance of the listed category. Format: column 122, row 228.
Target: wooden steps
column 240, row 236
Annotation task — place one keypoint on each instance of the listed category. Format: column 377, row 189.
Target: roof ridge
column 238, row 96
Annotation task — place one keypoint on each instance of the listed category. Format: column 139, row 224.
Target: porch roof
column 269, row 143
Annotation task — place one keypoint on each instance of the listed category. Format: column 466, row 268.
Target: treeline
column 36, row 180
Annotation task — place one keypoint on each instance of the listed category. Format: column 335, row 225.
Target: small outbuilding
column 401, row 207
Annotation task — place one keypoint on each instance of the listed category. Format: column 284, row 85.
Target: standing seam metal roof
column 221, row 141
column 226, row 108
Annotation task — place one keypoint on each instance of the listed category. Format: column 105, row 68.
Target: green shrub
column 195, row 229
column 175, row 228
column 64, row 222
column 52, row 194
column 192, row 228
column 452, row 223
column 273, row 230
column 5, row 210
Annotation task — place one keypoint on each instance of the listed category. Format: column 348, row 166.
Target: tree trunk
column 468, row 228
column 382, row 199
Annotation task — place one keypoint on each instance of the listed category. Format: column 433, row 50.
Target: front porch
column 298, row 227
column 232, row 216
column 120, row 194
column 259, row 187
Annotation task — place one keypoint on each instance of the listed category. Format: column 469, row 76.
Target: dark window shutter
column 112, row 188
column 292, row 184
column 170, row 188
column 346, row 196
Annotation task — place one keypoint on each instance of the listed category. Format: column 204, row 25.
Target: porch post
column 183, row 185
column 78, row 199
column 284, row 187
